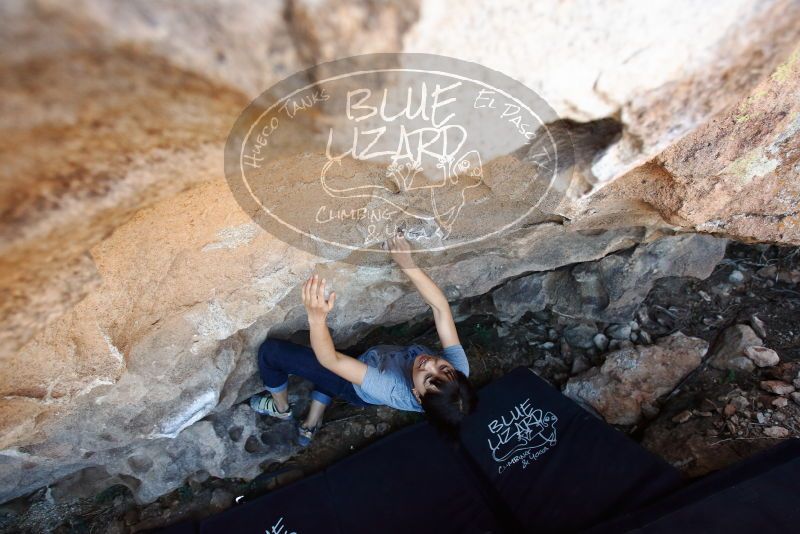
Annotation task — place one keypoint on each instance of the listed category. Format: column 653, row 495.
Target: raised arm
column 347, row 367
column 442, row 315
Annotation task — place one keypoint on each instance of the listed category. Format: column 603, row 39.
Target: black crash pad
column 301, row 507
column 529, row 460
column 411, row 481
column 552, row 465
column 760, row 494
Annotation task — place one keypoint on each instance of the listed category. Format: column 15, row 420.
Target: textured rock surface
column 631, row 380
column 610, row 290
column 735, row 175
column 169, row 336
column 662, row 67
column 133, row 290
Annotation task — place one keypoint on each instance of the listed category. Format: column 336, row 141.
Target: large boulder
column 630, row 381
column 102, row 118
column 189, row 289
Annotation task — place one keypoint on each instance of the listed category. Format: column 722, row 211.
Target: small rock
column 649, row 411
column 619, row 331
column 288, row 476
column 736, row 277
column 634, row 325
column 634, row 337
column 613, row 344
column 548, row 345
column 643, row 315
column 722, row 290
column 682, row 417
column 730, row 354
column 778, row 387
column 767, row 272
column 780, row 402
column 565, row 349
column 382, row 428
column 758, row 326
column 729, row 409
column 645, row 338
column 221, row 499
column 796, row 397
column 253, row 445
column 579, row 365
column 796, row 383
column 600, row 341
column 741, row 363
column 762, row 356
column 369, row 430
column 552, row 334
column 626, row 344
column 740, row 402
column 761, row 418
column 580, row 336
column 705, row 296
column 701, row 413
column 131, row 516
column 789, row 277
column 776, row 432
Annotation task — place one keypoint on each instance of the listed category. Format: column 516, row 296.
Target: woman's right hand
column 400, row 249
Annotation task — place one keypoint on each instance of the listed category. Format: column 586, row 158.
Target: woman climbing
column 407, row 378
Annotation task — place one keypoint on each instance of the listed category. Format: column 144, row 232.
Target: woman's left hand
column 317, row 307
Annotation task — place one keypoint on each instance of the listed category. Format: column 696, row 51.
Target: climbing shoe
column 265, row 405
column 305, row 435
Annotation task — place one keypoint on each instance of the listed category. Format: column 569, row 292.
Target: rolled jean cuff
column 320, row 397
column 278, row 389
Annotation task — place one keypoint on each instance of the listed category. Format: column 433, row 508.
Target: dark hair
column 446, row 407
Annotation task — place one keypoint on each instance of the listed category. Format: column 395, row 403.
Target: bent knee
column 269, row 348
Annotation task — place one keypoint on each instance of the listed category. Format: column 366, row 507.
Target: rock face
column 631, row 380
column 134, row 291
column 594, row 61
column 736, row 174
column 611, row 289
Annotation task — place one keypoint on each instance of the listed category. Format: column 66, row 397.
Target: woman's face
column 427, row 369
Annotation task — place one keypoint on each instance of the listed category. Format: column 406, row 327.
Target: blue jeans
column 277, row 359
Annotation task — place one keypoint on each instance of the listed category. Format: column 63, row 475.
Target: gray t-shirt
column 388, row 378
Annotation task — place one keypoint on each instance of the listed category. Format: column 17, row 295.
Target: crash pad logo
column 338, row 158
column 279, row 528
column 521, row 436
